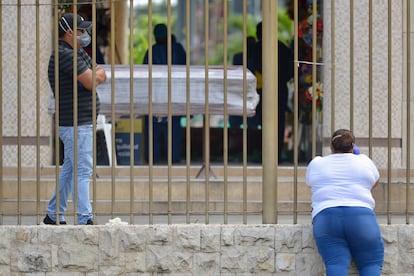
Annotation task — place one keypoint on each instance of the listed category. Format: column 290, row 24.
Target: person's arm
column 86, row 80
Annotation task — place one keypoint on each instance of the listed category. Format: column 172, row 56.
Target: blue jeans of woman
column 66, row 178
column 342, row 233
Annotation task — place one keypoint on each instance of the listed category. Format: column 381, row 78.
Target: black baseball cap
column 66, row 23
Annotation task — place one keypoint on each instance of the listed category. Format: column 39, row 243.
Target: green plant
column 140, row 35
column 216, row 51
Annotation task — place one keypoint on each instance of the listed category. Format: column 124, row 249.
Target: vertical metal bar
column 408, row 136
column 295, row 113
column 132, row 114
column 351, row 65
column 225, row 127
column 244, row 111
column 370, row 96
column 169, row 155
column 150, row 128
column 314, row 73
column 19, row 112
column 206, row 126
column 1, row 114
column 389, row 101
column 37, row 113
column 270, row 114
column 56, row 123
column 75, row 112
column 112, row 45
column 333, row 65
column 188, row 115
column 94, row 188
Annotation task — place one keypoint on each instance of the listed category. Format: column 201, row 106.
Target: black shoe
column 89, row 222
column 48, row 220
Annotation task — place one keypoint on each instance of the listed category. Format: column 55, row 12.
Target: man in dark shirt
column 65, row 92
column 238, row 57
column 160, row 125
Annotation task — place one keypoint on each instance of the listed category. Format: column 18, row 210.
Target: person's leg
column 236, row 121
column 157, row 128
column 365, row 240
column 281, row 131
column 176, row 139
column 85, row 169
column 331, row 243
column 156, row 136
column 66, row 176
column 146, row 141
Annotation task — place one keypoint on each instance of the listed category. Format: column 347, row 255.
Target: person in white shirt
column 343, row 217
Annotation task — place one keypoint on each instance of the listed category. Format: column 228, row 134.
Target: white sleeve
column 312, row 166
column 372, row 167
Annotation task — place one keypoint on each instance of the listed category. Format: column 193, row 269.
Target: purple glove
column 356, row 150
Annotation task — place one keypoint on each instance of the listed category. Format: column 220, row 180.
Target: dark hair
column 160, row 31
column 342, row 141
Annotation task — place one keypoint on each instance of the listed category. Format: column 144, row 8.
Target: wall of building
column 181, row 250
column 374, row 70
column 409, row 61
column 25, row 88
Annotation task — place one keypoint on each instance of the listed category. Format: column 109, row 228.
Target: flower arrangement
column 305, row 30
column 318, row 94
column 305, row 33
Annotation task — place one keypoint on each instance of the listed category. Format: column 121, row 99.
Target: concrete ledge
column 187, row 249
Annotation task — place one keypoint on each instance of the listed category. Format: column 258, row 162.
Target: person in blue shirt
column 160, row 125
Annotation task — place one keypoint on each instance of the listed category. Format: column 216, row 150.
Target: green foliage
column 285, row 27
column 140, row 43
column 234, row 37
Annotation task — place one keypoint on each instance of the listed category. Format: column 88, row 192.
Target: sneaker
column 89, row 222
column 48, row 220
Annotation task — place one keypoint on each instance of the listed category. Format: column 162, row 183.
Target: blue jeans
column 344, row 232
column 66, row 178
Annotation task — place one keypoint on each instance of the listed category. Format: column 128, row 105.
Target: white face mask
column 84, row 39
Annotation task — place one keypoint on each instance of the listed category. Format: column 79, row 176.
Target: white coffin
column 198, row 83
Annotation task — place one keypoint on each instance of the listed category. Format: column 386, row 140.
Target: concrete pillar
column 270, row 112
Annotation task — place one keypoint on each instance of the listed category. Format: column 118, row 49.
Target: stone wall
column 193, row 249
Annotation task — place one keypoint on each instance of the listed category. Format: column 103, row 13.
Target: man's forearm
column 100, row 75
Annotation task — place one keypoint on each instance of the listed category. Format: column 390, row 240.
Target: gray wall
column 196, row 249
column 337, row 76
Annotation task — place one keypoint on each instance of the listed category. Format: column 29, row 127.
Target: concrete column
column 120, row 16
column 270, row 112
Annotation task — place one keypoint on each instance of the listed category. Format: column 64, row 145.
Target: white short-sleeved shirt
column 343, row 179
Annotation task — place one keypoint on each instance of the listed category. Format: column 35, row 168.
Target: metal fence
column 340, row 51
